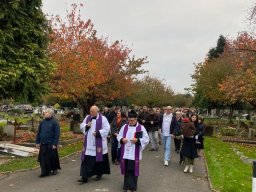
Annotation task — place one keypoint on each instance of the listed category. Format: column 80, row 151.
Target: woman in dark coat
column 200, row 131
column 188, row 149
column 47, row 139
column 115, row 126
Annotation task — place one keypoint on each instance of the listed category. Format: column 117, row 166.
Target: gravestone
column 251, row 134
column 75, row 123
column 9, row 130
column 208, row 130
column 58, row 117
column 18, row 150
column 75, row 127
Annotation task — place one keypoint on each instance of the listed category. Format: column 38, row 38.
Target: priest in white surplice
column 133, row 138
column 95, row 151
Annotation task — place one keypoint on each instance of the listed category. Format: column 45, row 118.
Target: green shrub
column 15, row 111
column 215, row 122
column 228, row 131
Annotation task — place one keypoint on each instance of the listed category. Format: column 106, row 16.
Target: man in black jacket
column 143, row 116
column 152, row 128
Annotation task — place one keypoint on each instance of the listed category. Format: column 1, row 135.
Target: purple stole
column 137, row 153
column 99, row 150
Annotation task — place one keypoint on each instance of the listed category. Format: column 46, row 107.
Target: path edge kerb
column 208, row 176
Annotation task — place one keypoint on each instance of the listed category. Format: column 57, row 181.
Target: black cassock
column 130, row 180
column 48, row 159
column 90, row 167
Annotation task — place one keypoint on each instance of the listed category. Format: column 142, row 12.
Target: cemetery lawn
column 18, row 164
column 226, row 171
column 249, row 150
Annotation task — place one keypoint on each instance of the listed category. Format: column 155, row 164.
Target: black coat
column 116, row 128
column 176, row 126
column 155, row 119
column 143, row 116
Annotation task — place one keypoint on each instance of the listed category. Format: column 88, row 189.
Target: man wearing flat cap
column 133, row 138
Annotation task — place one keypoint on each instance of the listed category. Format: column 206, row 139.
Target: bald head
column 94, row 110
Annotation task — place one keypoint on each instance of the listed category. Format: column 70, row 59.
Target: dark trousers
column 130, row 180
column 115, row 152
column 177, row 143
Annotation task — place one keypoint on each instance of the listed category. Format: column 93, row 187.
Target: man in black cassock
column 95, row 151
column 133, row 138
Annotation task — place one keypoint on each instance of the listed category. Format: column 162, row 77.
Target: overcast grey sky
column 173, row 34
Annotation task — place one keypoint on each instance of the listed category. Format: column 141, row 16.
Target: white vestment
column 129, row 152
column 91, row 141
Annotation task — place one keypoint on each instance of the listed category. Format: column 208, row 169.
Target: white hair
column 50, row 111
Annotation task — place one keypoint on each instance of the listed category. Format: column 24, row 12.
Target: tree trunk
column 231, row 111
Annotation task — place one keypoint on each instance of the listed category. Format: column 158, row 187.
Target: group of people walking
column 129, row 135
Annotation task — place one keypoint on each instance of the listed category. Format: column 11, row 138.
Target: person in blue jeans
column 165, row 122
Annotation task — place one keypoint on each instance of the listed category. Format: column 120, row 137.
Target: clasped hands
column 133, row 140
column 89, row 124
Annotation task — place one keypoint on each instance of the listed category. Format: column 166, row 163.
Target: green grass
column 71, row 148
column 249, row 150
column 19, row 164
column 3, row 124
column 227, row 172
column 65, row 128
column 31, row 162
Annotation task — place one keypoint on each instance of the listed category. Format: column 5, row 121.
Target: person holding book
column 133, row 138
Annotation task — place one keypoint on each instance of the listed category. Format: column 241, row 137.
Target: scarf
column 99, row 150
column 137, row 153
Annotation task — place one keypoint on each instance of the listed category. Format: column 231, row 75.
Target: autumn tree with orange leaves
column 241, row 84
column 89, row 68
column 229, row 79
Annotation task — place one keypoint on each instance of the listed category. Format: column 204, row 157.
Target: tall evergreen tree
column 24, row 65
column 216, row 51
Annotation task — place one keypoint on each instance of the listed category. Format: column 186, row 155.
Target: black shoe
column 82, row 180
column 43, row 175
column 98, row 177
column 54, row 172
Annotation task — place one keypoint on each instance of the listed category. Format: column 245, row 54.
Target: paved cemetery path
column 155, row 177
